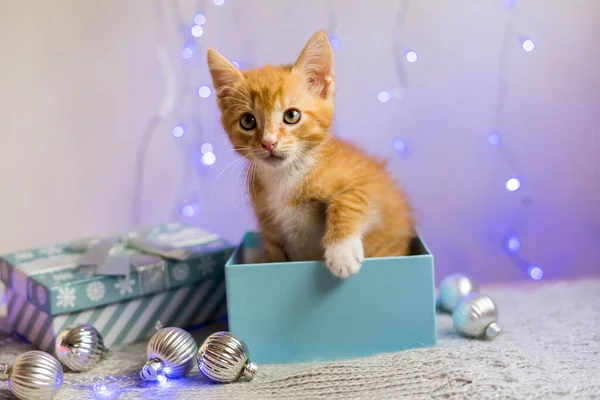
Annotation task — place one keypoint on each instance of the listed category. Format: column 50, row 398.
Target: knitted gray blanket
column 549, row 349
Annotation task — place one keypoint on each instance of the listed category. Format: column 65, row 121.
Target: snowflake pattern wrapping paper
column 50, row 288
column 125, row 285
column 181, row 271
column 66, row 297
column 95, row 291
column 51, row 278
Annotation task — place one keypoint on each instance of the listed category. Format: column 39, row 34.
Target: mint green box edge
column 299, row 312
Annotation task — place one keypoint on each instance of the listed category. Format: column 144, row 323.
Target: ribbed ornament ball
column 35, row 375
column 452, row 289
column 476, row 316
column 80, row 348
column 171, row 354
column 224, row 358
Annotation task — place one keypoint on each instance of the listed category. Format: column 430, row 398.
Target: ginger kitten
column 315, row 197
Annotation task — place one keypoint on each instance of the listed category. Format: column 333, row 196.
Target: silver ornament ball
column 224, row 358
column 35, row 375
column 452, row 289
column 80, row 348
column 171, row 354
column 476, row 316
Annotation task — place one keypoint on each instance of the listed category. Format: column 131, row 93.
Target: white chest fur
column 301, row 227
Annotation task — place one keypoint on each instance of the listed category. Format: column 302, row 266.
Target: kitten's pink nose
column 269, row 145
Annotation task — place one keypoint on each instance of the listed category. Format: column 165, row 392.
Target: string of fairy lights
column 177, row 80
column 512, row 242
column 405, row 56
column 203, row 155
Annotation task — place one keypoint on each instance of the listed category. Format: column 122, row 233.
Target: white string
column 170, row 80
column 169, row 75
column 185, row 94
column 502, row 95
column 511, row 162
column 399, row 21
column 332, row 23
column 163, row 111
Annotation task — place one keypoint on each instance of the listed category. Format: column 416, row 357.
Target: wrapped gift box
column 122, row 285
column 299, row 311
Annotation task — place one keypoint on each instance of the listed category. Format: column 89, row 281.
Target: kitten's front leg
column 274, row 252
column 346, row 216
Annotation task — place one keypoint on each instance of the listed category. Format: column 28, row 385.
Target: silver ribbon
column 110, row 255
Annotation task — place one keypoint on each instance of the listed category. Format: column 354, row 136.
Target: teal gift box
column 172, row 273
column 299, row 311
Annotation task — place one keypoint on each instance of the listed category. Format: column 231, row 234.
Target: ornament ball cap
column 151, row 370
column 249, row 371
column 492, row 330
column 4, row 371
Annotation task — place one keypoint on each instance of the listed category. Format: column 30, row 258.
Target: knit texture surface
column 549, row 349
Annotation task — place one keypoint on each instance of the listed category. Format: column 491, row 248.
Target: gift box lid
column 67, row 277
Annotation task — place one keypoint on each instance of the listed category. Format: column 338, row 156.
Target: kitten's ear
column 224, row 74
column 316, row 64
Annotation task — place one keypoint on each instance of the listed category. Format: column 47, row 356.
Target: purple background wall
column 94, row 91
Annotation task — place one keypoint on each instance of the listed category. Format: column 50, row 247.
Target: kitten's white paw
column 344, row 258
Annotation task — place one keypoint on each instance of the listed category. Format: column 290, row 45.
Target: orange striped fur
column 315, row 197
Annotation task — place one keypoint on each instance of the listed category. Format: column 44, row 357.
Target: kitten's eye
column 248, row 122
column 291, row 116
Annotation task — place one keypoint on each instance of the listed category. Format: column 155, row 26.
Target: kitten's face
column 275, row 116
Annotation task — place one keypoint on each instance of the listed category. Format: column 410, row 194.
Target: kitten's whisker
column 228, row 97
column 231, row 150
column 228, row 108
column 235, row 184
column 239, row 159
column 253, row 179
column 244, row 96
column 231, row 98
column 247, row 184
column 253, row 152
column 240, row 148
column 237, row 165
column 246, row 90
column 237, row 103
